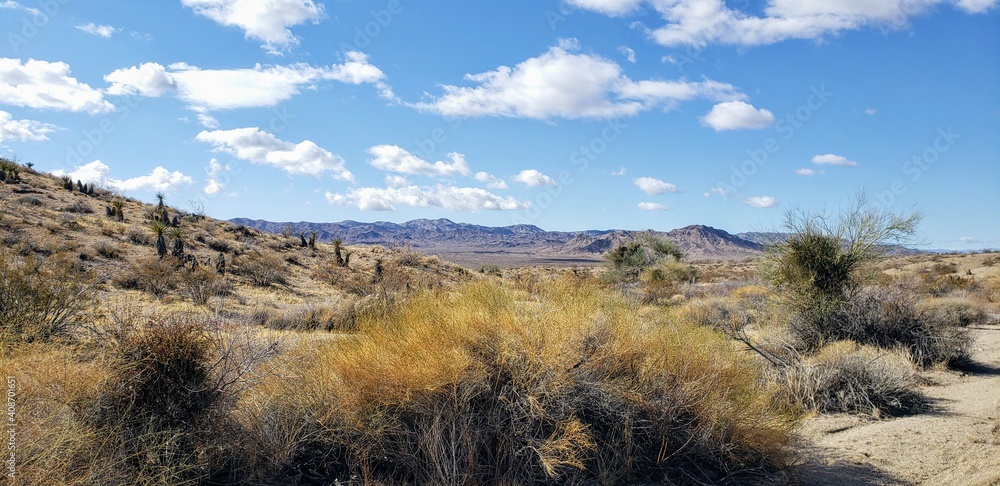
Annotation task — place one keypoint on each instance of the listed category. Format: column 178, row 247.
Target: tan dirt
column 956, row 443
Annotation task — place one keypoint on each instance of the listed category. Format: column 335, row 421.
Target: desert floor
column 957, row 443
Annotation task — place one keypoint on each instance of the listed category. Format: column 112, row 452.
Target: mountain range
column 518, row 244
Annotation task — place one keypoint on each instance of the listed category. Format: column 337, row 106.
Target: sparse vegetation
column 40, row 300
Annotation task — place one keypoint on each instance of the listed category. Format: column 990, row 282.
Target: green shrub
column 29, row 201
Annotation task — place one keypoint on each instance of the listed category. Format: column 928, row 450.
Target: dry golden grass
column 497, row 383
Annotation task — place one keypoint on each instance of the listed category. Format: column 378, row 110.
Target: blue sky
column 567, row 114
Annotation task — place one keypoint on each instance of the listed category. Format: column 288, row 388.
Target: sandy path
column 958, row 443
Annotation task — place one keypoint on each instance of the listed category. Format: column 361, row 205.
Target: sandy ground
column 957, row 443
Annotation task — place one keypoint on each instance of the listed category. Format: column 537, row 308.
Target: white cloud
column 392, row 158
column 213, row 185
column 532, row 178
column 609, row 7
column 870, row 111
column 396, row 181
column 717, row 191
column 159, row 179
column 737, row 115
column 809, row 172
column 968, row 239
column 761, row 201
column 96, row 172
column 620, row 172
column 259, row 147
column 832, row 159
column 561, row 84
column 47, row 86
column 440, row 196
column 208, row 121
column 12, row 5
column 91, row 28
column 225, row 89
column 651, row 206
column 492, row 181
column 703, row 22
column 653, row 187
column 267, row 22
column 628, row 52
column 23, row 130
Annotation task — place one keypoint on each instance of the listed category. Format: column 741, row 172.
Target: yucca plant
column 177, row 250
column 161, row 244
column 118, row 208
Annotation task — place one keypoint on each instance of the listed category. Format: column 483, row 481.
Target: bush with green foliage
column 261, row 269
column 650, row 262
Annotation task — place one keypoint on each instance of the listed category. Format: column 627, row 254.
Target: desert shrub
column 889, row 318
column 340, row 317
column 139, row 237
column 491, row 270
column 954, row 311
column 221, row 246
column 171, row 387
column 499, row 386
column 150, row 274
column 649, row 265
column 847, row 377
column 107, row 249
column 41, row 300
column 989, row 261
column 261, row 270
column 201, row 283
column 78, row 207
column 29, row 201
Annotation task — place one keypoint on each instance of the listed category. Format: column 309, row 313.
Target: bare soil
column 956, row 443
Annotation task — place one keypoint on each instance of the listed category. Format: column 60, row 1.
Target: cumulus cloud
column 105, row 31
column 532, row 178
column 259, row 147
column 653, row 187
column 703, row 22
column 831, row 159
column 761, row 201
column 620, row 172
column 47, row 86
column 439, row 196
column 392, row 158
column 651, row 206
column 563, row 84
column 396, row 181
column 225, row 89
column 267, row 22
column 97, row 172
column 23, row 130
column 492, row 181
column 737, row 115
column 809, row 172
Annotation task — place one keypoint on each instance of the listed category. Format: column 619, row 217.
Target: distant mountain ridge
column 470, row 243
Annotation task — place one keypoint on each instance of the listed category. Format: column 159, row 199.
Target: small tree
column 650, row 262
column 337, row 252
column 822, row 264
column 160, row 196
column 118, row 208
